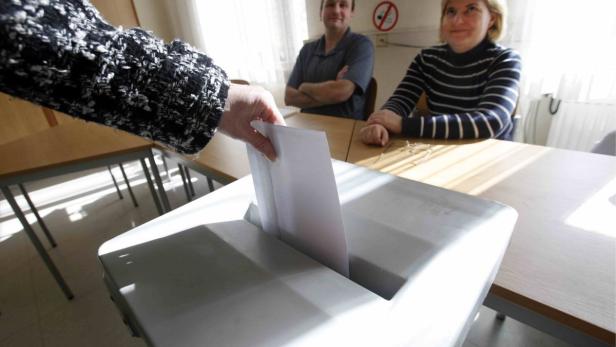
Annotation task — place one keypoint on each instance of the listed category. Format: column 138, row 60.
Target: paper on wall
column 297, row 195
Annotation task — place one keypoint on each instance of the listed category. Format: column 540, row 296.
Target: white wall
column 417, row 25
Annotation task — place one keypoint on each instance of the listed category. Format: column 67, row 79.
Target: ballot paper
column 297, row 196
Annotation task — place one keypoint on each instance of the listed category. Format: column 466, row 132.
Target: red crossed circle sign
column 385, row 16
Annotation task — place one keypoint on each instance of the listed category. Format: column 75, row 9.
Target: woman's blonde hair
column 498, row 8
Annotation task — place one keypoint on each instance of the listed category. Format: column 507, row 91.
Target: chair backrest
column 422, row 104
column 370, row 98
column 607, row 145
column 238, row 81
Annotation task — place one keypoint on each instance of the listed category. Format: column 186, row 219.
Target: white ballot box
column 421, row 261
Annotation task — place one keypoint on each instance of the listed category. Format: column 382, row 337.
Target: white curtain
column 183, row 21
column 255, row 40
column 568, row 49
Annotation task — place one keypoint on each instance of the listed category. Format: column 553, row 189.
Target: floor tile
column 28, row 336
column 17, row 302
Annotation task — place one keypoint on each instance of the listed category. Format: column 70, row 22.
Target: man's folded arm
column 294, row 97
column 329, row 92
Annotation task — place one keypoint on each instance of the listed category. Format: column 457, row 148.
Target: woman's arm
column 405, row 97
column 492, row 116
column 63, row 55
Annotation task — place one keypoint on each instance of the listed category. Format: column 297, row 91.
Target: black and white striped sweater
column 63, row 55
column 470, row 95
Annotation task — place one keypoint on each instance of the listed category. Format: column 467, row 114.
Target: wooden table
column 224, row 159
column 559, row 272
column 69, row 148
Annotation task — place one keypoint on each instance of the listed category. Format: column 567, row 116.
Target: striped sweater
column 63, row 55
column 470, row 95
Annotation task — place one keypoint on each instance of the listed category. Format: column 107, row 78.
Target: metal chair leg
column 159, row 183
column 37, row 244
column 188, row 179
column 38, row 217
column 184, row 184
column 210, row 184
column 148, row 178
column 166, row 167
column 115, row 183
column 130, row 191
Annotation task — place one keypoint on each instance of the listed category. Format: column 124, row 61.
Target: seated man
column 331, row 74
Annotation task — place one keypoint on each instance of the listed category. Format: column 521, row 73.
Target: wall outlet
column 381, row 40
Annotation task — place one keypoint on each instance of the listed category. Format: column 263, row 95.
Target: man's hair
column 352, row 5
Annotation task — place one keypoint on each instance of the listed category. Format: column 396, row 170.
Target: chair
column 370, row 98
column 422, row 104
column 607, row 145
column 238, row 81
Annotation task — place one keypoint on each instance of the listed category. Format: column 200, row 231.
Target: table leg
column 38, row 217
column 115, row 183
column 37, row 243
column 159, row 183
column 130, row 190
column 146, row 172
column 539, row 321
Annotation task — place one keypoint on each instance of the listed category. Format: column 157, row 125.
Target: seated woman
column 471, row 83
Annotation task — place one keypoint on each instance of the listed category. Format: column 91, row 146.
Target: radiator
column 568, row 124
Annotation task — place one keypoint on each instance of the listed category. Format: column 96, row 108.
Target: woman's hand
column 374, row 134
column 390, row 120
column 245, row 104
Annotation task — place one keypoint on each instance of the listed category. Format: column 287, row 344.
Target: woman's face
column 465, row 24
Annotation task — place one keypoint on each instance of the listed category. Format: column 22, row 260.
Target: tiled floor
column 82, row 211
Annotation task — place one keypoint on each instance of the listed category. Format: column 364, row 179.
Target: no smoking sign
column 385, row 16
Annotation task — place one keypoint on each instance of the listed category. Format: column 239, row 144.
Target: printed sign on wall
column 385, row 16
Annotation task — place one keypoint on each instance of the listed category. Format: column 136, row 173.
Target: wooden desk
column 69, row 148
column 559, row 272
column 225, row 160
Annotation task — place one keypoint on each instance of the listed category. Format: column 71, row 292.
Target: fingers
column 374, row 135
column 389, row 120
column 261, row 144
column 272, row 115
column 364, row 135
column 342, row 72
column 269, row 111
column 383, row 136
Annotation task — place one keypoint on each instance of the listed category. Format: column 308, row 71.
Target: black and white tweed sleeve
column 61, row 54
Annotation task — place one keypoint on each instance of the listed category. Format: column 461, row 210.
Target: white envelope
column 297, row 195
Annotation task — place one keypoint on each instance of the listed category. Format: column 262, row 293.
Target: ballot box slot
column 363, row 272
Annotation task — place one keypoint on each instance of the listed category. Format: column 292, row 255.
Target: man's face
column 336, row 14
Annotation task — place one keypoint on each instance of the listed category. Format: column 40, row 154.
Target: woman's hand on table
column 388, row 119
column 374, row 134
